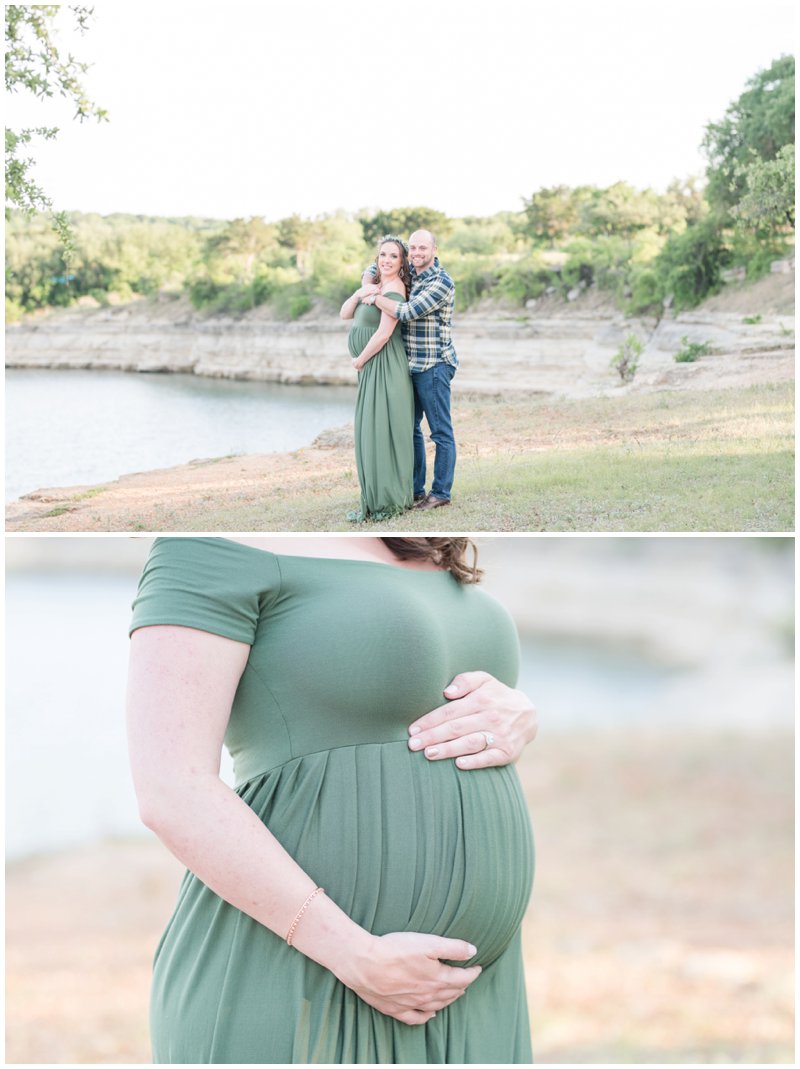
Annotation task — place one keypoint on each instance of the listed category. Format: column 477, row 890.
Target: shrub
column 646, row 292
column 576, row 271
column 291, row 302
column 472, row 281
column 691, row 351
column 14, row 312
column 299, row 305
column 524, row 279
column 690, row 265
column 626, row 360
column 756, row 251
column 337, row 291
column 203, row 291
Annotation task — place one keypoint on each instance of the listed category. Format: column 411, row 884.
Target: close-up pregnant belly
column 401, row 843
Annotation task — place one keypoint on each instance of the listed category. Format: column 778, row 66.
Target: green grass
column 588, row 490
column 713, row 461
column 677, row 460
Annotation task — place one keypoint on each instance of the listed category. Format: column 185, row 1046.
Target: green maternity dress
column 384, row 420
column 344, row 655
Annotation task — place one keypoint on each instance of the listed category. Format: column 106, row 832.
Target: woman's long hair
column 447, row 553
column 405, row 273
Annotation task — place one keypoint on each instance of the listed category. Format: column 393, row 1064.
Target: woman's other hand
column 357, row 363
column 369, row 289
column 401, row 974
column 483, row 723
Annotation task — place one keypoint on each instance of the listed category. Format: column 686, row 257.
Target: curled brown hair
column 405, row 273
column 447, row 553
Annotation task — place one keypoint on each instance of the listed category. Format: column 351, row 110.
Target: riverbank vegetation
column 648, row 250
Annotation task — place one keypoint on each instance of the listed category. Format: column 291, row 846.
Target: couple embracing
column 403, row 375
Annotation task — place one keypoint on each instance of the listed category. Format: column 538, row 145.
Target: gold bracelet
column 303, row 908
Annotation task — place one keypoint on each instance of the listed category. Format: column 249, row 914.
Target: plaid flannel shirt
column 426, row 317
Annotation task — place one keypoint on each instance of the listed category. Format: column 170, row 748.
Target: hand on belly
column 401, row 974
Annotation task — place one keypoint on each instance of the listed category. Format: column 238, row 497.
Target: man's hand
column 483, row 723
column 368, row 287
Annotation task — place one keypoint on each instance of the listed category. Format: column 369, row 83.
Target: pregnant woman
column 384, row 418
column 324, row 673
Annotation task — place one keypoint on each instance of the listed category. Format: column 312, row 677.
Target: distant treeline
column 648, row 249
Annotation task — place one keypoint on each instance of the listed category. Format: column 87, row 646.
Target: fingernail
column 432, row 751
column 452, row 689
column 415, row 744
column 462, row 762
column 414, row 730
column 472, row 950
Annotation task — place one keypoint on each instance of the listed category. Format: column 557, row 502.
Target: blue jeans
column 432, row 400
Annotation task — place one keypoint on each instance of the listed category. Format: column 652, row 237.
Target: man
column 425, row 320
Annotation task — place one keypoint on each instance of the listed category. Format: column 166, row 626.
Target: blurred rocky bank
column 552, row 346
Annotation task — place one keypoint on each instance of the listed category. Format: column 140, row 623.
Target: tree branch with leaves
column 35, row 65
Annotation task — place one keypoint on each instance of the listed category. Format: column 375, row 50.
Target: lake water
column 66, row 657
column 66, row 428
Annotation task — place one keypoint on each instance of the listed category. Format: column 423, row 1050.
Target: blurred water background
column 615, row 633
column 64, row 428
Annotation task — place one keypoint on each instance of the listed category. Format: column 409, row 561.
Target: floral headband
column 393, row 237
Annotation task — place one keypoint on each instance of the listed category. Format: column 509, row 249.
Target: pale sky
column 307, row 106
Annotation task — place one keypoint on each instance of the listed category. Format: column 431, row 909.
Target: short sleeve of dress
column 211, row 584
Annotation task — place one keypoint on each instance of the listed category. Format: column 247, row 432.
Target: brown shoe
column 419, row 499
column 432, row 502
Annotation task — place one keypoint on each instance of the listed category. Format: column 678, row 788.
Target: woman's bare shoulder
column 394, row 287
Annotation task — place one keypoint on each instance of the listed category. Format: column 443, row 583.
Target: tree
column 403, row 222
column 769, row 200
column 758, row 124
column 552, row 213
column 685, row 199
column 297, row 235
column 619, row 211
column 34, row 65
column 244, row 242
column 473, row 235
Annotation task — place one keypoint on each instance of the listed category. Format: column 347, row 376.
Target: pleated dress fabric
column 384, row 420
column 345, row 654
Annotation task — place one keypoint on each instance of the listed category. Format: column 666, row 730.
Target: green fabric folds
column 384, row 420
column 344, row 655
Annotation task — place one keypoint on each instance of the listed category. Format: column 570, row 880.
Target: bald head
column 423, row 235
column 421, row 250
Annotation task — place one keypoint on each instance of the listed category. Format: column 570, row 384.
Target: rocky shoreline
column 557, row 349
column 547, row 355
